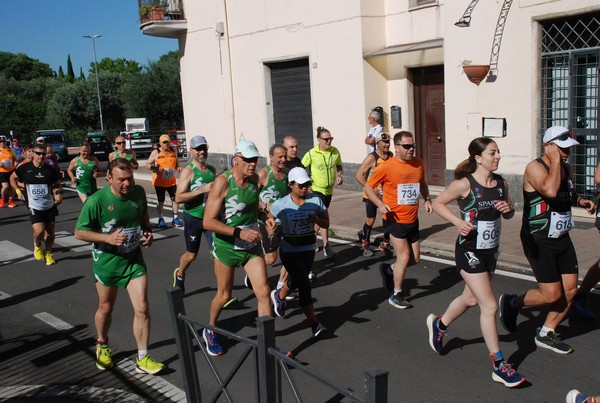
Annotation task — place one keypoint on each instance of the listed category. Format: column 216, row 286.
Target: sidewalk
column 347, row 215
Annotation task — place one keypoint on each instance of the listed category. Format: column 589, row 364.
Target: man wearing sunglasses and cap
column 231, row 213
column 122, row 152
column 548, row 193
column 195, row 182
column 402, row 179
column 164, row 163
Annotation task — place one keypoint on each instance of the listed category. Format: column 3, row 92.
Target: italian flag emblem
column 538, row 209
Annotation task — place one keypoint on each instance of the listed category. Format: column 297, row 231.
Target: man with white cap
column 548, row 193
column 194, row 184
column 232, row 215
column 163, row 163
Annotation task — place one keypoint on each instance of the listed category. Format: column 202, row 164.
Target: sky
column 51, row 30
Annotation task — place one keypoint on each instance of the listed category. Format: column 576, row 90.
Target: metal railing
column 168, row 10
column 269, row 362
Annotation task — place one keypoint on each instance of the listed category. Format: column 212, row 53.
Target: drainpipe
column 230, row 73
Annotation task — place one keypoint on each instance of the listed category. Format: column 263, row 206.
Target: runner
column 44, row 192
column 291, row 160
column 548, row 194
column 232, row 215
column 483, row 199
column 402, row 178
column 83, row 171
column 164, row 163
column 194, row 184
column 8, row 162
column 121, row 152
column 116, row 221
column 298, row 212
column 381, row 154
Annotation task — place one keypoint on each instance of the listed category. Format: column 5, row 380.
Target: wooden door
column 430, row 127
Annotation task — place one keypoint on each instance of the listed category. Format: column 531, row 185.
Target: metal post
column 93, row 38
column 185, row 348
column 266, row 363
column 376, row 385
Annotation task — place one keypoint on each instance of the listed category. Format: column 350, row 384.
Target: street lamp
column 93, row 38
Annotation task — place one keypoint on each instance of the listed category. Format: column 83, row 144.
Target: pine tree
column 70, row 72
column 61, row 73
column 81, row 75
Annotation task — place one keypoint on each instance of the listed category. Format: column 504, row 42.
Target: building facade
column 265, row 69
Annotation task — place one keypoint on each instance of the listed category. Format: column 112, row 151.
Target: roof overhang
column 407, row 47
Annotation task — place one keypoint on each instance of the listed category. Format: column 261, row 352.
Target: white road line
column 53, row 321
column 13, row 253
column 157, row 383
column 67, row 239
column 4, row 295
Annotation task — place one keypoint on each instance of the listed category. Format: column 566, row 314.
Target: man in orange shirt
column 402, row 179
column 8, row 162
column 164, row 163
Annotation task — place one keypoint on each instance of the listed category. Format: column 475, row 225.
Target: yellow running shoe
column 103, row 357
column 147, row 365
column 38, row 253
column 49, row 259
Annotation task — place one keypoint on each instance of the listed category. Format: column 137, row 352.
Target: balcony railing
column 163, row 18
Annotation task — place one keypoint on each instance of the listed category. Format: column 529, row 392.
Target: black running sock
column 441, row 325
column 367, row 232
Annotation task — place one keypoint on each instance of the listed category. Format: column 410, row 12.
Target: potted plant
column 475, row 72
column 154, row 11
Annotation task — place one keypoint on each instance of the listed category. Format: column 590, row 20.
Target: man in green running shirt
column 232, row 215
column 122, row 152
column 115, row 219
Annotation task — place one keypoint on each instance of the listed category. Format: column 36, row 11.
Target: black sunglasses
column 252, row 160
column 407, row 146
column 39, row 152
column 303, row 185
column 119, row 142
column 201, row 148
column 165, row 142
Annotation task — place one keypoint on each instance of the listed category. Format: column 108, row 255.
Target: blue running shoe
column 161, row 223
column 582, row 309
column 212, row 343
column 575, row 396
column 398, row 301
column 507, row 375
column 435, row 333
column 317, row 329
column 278, row 304
column 177, row 222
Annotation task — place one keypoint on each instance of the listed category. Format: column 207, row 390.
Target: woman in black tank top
column 483, row 199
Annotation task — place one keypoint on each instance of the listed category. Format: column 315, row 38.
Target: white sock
column 280, row 284
column 174, row 216
column 142, row 353
column 544, row 331
column 396, row 291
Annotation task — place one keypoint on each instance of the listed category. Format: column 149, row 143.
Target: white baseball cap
column 560, row 136
column 298, row 175
column 247, row 149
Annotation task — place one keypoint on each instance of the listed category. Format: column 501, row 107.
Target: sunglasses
column 406, row 146
column 561, row 137
column 119, row 142
column 327, row 139
column 165, row 142
column 39, row 152
column 201, row 148
column 252, row 160
column 303, row 185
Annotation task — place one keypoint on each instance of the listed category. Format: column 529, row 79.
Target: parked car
column 56, row 139
column 141, row 142
column 100, row 145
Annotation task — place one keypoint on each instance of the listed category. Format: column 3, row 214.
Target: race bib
column 560, row 224
column 297, row 223
column 488, row 234
column 168, row 173
column 408, row 193
column 243, row 245
column 37, row 192
column 133, row 240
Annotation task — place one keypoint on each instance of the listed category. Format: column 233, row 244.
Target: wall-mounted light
column 220, row 28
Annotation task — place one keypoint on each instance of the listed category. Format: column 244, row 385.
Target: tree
column 70, row 72
column 21, row 67
column 61, row 73
column 117, row 66
column 81, row 75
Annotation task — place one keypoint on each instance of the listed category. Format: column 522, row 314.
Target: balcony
column 162, row 18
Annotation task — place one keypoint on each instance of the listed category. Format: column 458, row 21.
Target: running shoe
column 385, row 247
column 161, row 223
column 49, row 259
column 148, row 365
column 230, row 302
column 178, row 281
column 247, row 282
column 292, row 295
column 278, row 304
column 575, row 396
column 103, row 357
column 508, row 313
column 397, row 301
column 507, row 375
column 435, row 333
column 2, row 204
column 177, row 222
column 582, row 309
column 212, row 343
column 366, row 251
column 11, row 203
column 311, row 276
column 387, row 276
column 317, row 329
column 38, row 253
column 552, row 342
column 328, row 251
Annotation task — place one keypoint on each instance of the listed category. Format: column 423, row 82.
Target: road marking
column 13, row 253
column 67, row 239
column 157, row 383
column 53, row 321
column 4, row 295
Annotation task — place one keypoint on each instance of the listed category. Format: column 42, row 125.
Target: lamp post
column 93, row 38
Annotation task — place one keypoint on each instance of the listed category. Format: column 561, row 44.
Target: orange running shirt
column 168, row 162
column 401, row 183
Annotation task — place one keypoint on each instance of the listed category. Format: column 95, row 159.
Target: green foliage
column 61, row 73
column 70, row 72
column 21, row 67
column 81, row 75
column 117, row 66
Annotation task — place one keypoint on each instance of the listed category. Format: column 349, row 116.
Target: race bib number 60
column 488, row 234
column 408, row 193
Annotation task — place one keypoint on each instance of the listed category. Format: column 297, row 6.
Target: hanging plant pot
column 476, row 72
column 156, row 14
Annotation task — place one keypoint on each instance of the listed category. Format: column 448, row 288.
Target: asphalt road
column 364, row 331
